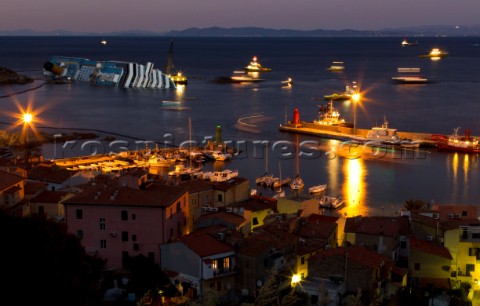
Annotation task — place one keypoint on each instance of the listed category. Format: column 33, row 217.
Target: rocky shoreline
column 8, row 76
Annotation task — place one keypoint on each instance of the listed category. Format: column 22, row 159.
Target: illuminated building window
column 226, row 263
column 215, row 264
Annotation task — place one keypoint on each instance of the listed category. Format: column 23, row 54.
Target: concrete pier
column 346, row 133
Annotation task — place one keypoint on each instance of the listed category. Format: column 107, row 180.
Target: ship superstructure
column 107, row 73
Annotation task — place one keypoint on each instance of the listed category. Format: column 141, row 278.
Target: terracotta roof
column 110, row 193
column 399, row 271
column 309, row 245
column 195, row 186
column 224, row 186
column 358, row 254
column 321, row 218
column 229, row 217
column 260, row 241
column 205, row 244
column 426, row 220
column 456, row 223
column 430, row 248
column 49, row 173
column 386, row 226
column 256, row 204
column 48, row 196
column 8, row 179
column 321, row 230
column 32, row 187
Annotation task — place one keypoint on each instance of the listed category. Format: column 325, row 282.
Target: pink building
column 127, row 216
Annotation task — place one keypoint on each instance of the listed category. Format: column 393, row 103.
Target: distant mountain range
column 438, row 30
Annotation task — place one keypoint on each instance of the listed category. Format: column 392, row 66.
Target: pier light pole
column 355, row 99
column 27, row 118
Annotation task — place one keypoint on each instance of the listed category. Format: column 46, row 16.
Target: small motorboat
column 435, row 53
column 103, row 42
column 241, row 77
column 406, row 43
column 255, row 66
column 317, row 188
column 336, row 66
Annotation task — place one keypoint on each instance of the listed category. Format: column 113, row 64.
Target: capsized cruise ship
column 107, row 73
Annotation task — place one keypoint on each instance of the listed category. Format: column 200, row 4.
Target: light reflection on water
column 354, row 190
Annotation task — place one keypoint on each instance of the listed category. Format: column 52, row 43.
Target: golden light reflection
column 354, row 190
column 180, row 90
column 466, row 167
column 455, row 169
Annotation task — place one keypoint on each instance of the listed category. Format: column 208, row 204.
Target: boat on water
column 281, row 182
column 297, row 183
column 242, row 77
column 171, row 103
column 457, row 143
column 317, row 188
column 383, row 135
column 328, row 202
column 219, row 156
column 406, row 76
column 329, row 116
column 343, row 96
column 336, row 66
column 103, row 42
column 223, row 176
column 435, row 53
column 106, row 73
column 177, row 77
column 255, row 66
column 406, row 43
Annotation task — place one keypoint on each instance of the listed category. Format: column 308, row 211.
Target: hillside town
column 216, row 239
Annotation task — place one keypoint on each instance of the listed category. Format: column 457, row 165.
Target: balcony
column 225, row 271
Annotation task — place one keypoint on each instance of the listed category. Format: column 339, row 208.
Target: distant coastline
column 417, row 31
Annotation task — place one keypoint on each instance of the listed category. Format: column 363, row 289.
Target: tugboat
column 329, row 116
column 456, row 143
column 255, row 66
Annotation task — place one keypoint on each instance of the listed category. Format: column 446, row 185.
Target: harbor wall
column 346, row 133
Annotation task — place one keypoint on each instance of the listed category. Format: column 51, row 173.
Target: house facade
column 115, row 221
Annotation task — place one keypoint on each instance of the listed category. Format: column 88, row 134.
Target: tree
column 269, row 294
column 42, row 264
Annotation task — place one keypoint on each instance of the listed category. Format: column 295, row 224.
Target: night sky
column 166, row 15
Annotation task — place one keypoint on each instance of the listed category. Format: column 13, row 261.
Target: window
column 102, row 223
column 220, row 198
column 403, row 244
column 136, row 247
column 124, row 236
column 171, row 233
column 79, row 214
column 417, row 266
column 178, row 207
column 255, row 221
column 134, row 237
column 302, row 260
column 464, row 213
column 124, row 215
column 103, row 244
column 80, row 234
column 214, row 264
column 134, row 216
column 226, row 263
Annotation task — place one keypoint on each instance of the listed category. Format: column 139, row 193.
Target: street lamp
column 27, row 118
column 355, row 99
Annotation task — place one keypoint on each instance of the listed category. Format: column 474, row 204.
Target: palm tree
column 414, row 204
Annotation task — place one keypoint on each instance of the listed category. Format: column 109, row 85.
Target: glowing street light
column 27, row 118
column 296, row 278
column 355, row 99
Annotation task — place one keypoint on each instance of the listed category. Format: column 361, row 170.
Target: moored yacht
column 255, row 66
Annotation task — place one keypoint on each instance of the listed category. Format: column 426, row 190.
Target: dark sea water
column 369, row 186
